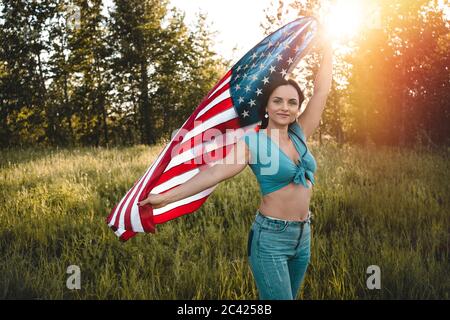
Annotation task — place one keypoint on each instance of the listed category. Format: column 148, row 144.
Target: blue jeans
column 279, row 254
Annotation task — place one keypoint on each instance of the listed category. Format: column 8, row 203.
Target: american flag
column 229, row 110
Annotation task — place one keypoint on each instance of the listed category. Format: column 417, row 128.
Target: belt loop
column 300, row 237
column 301, row 233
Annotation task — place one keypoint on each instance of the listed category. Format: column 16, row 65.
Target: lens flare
column 343, row 19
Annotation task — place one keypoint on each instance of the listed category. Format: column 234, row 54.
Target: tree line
column 73, row 73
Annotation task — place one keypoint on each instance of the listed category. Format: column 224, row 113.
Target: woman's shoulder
column 296, row 128
column 252, row 140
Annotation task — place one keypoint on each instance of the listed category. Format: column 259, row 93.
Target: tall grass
column 383, row 206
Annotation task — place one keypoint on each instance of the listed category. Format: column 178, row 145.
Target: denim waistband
column 261, row 218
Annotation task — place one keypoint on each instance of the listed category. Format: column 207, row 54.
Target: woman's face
column 283, row 105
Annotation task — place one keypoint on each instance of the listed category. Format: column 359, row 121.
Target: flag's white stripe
column 221, row 86
column 224, row 95
column 303, row 27
column 211, row 122
column 136, row 224
column 116, row 211
column 184, row 201
column 151, row 168
column 181, row 178
column 119, row 232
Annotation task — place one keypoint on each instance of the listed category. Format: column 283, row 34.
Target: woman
column 279, row 239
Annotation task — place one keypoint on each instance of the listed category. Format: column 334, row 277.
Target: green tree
column 23, row 91
column 137, row 34
column 88, row 59
column 180, row 67
column 70, row 75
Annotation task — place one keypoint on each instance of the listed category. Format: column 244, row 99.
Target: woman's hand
column 155, row 200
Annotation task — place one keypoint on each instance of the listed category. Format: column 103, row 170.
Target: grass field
column 375, row 206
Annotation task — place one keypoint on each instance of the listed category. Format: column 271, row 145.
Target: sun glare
column 343, row 19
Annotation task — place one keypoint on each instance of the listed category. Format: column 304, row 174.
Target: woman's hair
column 266, row 95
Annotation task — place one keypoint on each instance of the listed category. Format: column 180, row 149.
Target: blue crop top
column 275, row 170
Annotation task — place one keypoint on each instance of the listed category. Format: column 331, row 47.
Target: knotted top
column 275, row 170
column 303, row 172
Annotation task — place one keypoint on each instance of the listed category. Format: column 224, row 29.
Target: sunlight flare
column 343, row 19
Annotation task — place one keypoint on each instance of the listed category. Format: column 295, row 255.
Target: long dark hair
column 266, row 95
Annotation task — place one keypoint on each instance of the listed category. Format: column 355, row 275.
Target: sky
column 237, row 22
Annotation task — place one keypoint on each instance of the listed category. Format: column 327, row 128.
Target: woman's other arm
column 231, row 165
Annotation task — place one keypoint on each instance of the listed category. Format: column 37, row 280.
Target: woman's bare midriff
column 288, row 203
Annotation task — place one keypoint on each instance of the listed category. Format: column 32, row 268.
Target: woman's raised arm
column 310, row 118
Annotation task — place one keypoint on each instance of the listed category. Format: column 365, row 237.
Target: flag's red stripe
column 179, row 211
column 111, row 214
column 228, row 74
column 222, row 106
column 180, row 169
column 127, row 235
column 119, row 212
column 146, row 215
column 218, row 93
